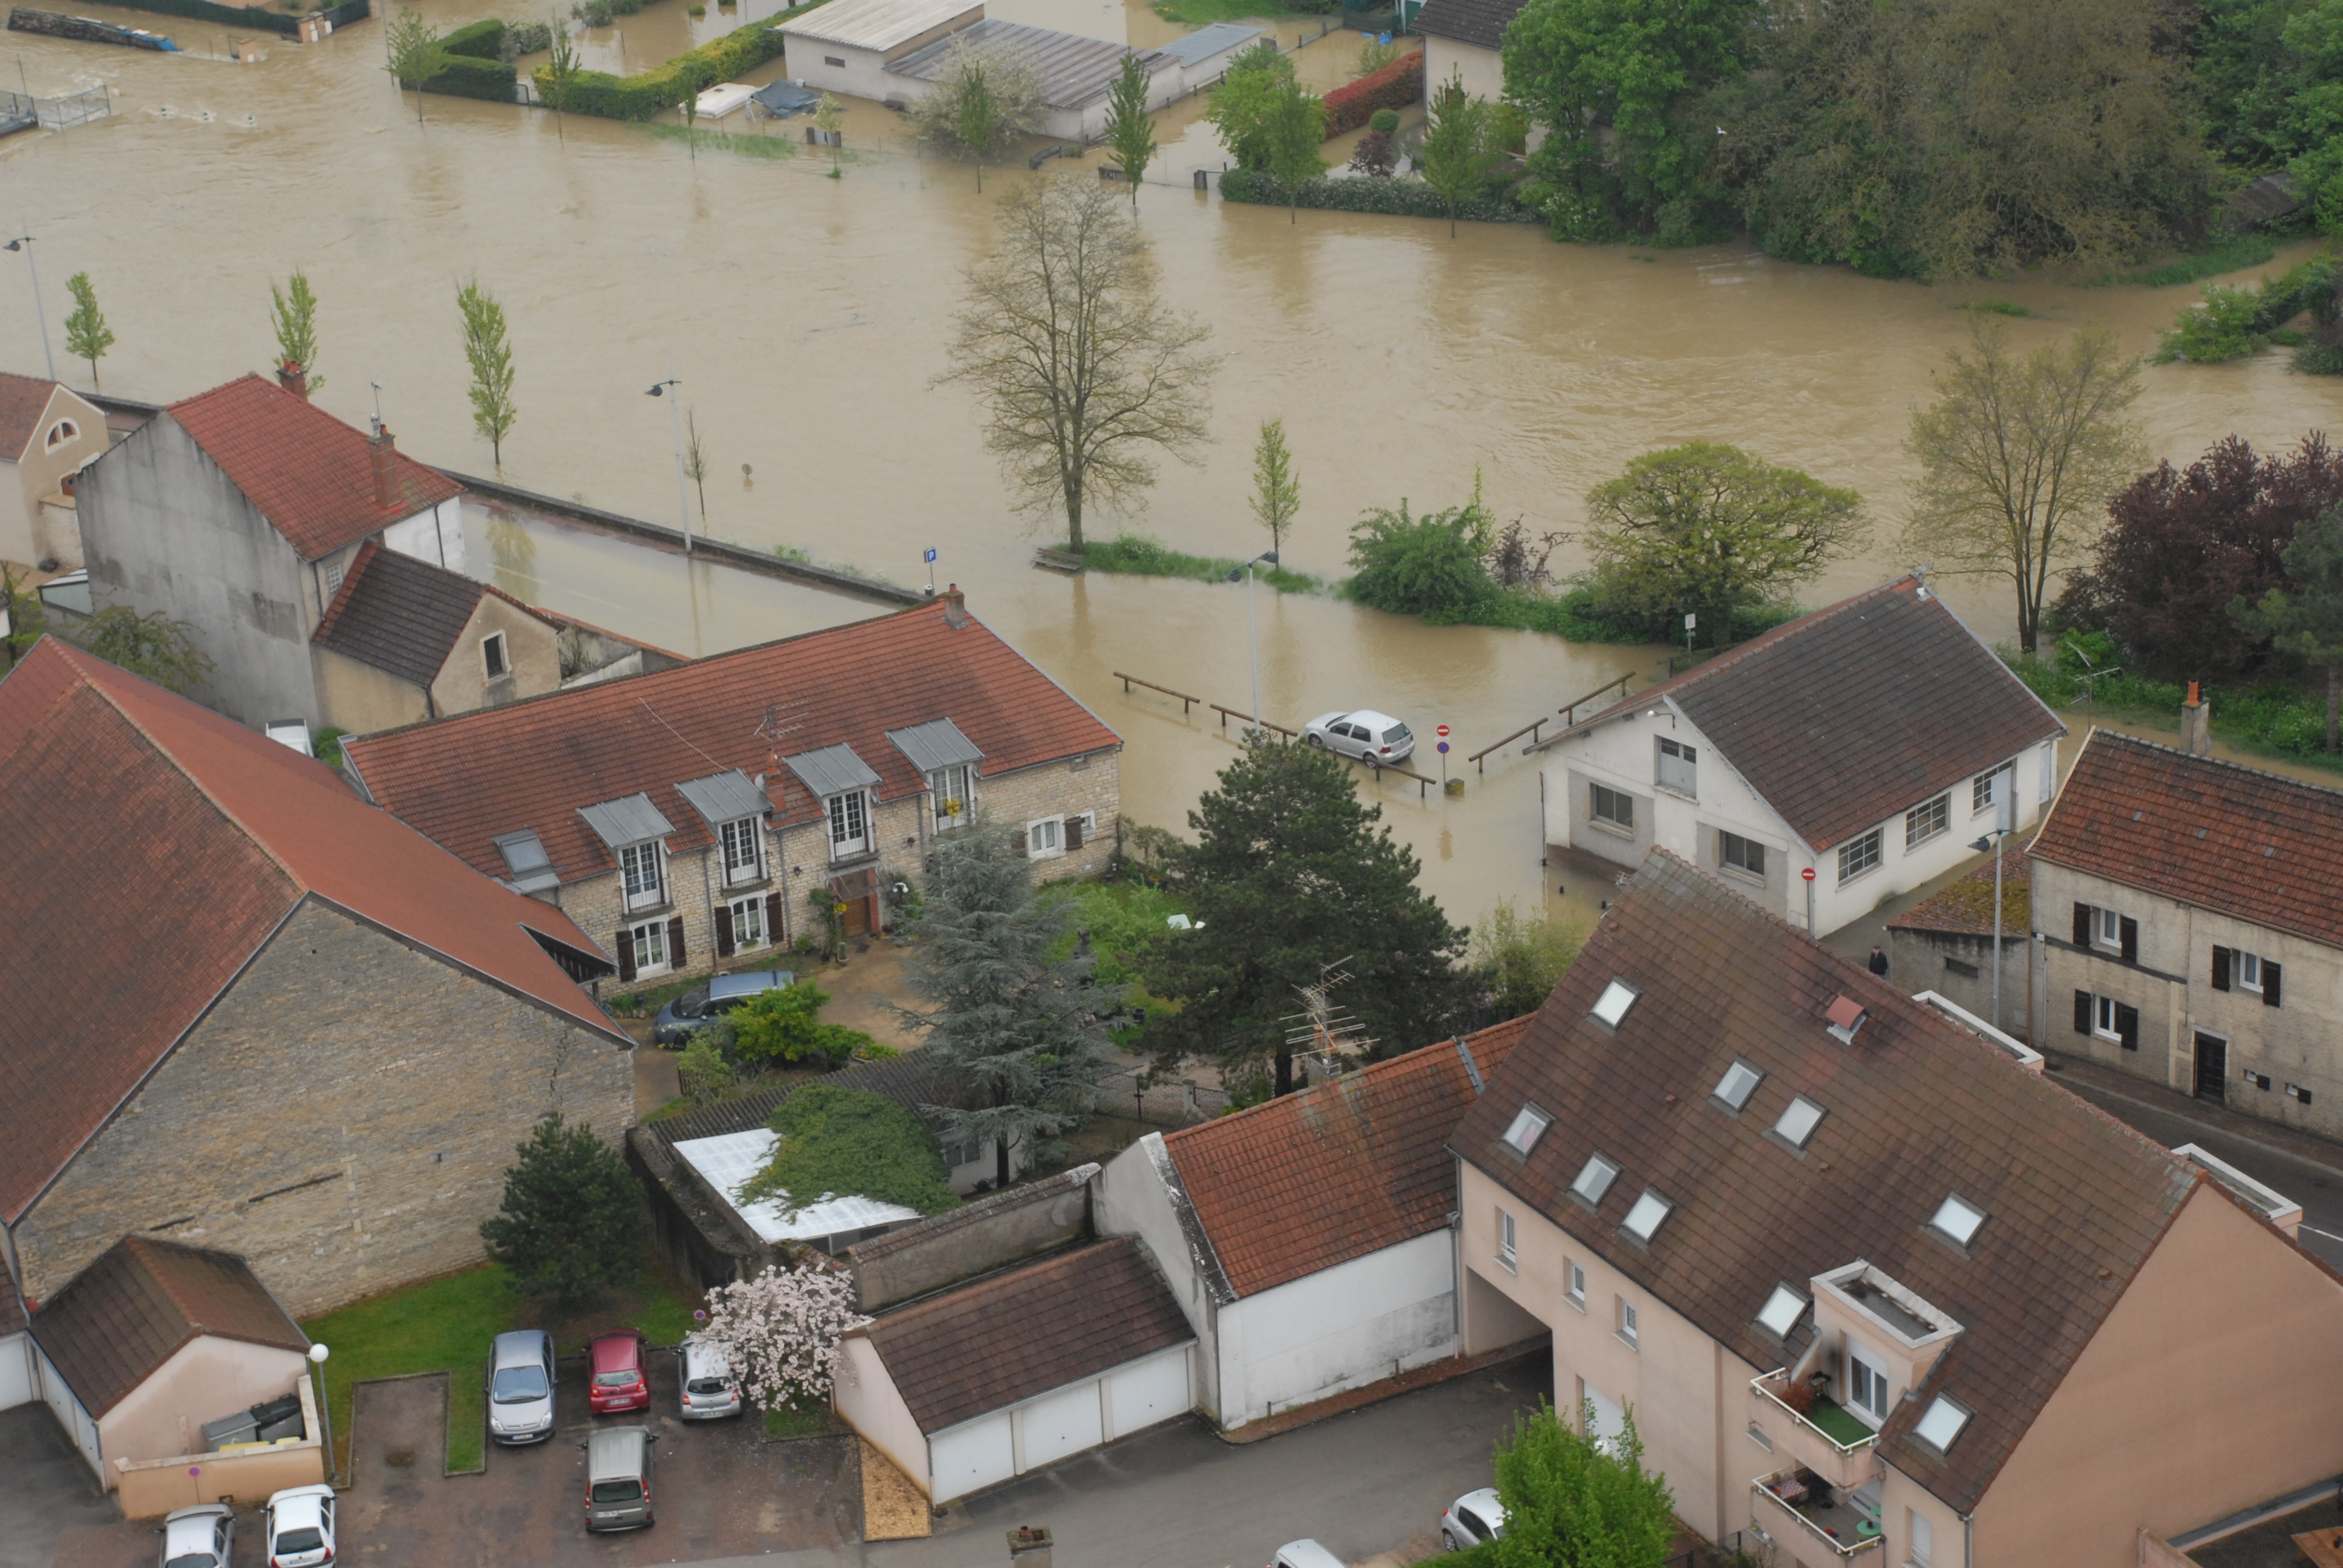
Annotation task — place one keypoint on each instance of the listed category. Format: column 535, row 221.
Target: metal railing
column 1757, row 1385
column 1844, row 1550
column 57, row 113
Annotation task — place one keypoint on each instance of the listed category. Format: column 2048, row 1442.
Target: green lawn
column 1838, row 1424
column 1204, row 13
column 445, row 1325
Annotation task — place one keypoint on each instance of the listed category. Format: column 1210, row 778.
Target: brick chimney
column 385, row 467
column 2197, row 724
column 293, row 378
column 955, row 606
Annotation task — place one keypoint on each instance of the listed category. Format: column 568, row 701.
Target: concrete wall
column 29, row 532
column 207, row 1378
column 435, row 536
column 994, row 1231
column 343, row 1118
column 18, row 1383
column 1353, row 1324
column 866, row 1398
column 532, row 659
column 1132, row 1196
column 151, row 1488
column 1923, row 960
column 1482, row 70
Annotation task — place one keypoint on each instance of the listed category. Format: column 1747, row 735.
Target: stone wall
column 343, row 1118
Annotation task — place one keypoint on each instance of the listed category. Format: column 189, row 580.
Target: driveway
column 50, row 1491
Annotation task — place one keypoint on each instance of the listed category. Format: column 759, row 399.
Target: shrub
column 1394, row 86
column 2220, row 328
column 477, row 40
column 571, row 1221
column 662, row 88
column 1576, row 1500
column 525, row 38
column 1383, row 122
column 782, row 1026
column 849, row 1142
column 1396, row 198
column 1429, row 566
column 466, row 76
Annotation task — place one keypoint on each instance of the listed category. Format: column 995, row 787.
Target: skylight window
column 1942, row 1425
column 1645, row 1218
column 1782, row 1310
column 1612, row 1004
column 1528, row 1127
column 1595, row 1179
column 1739, row 1082
column 1797, row 1121
column 1958, row 1217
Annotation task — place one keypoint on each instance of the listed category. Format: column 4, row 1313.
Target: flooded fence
column 305, row 26
column 20, row 112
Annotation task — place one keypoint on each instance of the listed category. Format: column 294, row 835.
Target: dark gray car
column 618, row 1478
column 704, row 1004
column 520, row 1386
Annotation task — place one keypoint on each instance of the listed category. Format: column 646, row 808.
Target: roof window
column 1645, row 1220
column 1957, row 1219
column 1943, row 1423
column 1528, row 1127
column 1782, row 1312
column 1739, row 1082
column 1845, row 1016
column 1612, row 1004
column 1595, row 1179
column 1797, row 1121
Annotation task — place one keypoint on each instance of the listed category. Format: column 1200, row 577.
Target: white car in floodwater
column 1363, row 733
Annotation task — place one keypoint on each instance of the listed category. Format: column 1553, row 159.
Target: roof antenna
column 1921, row 573
column 378, row 406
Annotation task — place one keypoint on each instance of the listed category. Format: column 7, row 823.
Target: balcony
column 1828, row 1441
column 1823, row 1511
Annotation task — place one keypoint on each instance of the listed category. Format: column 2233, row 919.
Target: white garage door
column 1061, row 1424
column 15, row 1370
column 967, row 1457
column 1148, row 1391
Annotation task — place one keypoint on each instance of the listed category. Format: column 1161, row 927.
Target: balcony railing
column 1847, row 1531
column 1845, row 1457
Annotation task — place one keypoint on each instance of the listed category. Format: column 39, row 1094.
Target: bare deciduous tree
column 1081, row 369
column 984, row 99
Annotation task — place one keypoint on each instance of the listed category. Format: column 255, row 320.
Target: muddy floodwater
column 806, row 317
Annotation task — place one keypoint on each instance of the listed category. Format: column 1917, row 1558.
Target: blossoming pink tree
column 784, row 1328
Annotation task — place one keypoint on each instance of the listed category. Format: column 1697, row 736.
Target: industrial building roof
column 879, row 25
column 1073, row 71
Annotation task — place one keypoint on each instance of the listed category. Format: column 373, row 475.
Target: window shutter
column 2269, row 983
column 773, row 918
column 2127, row 1026
column 2082, row 1012
column 2220, row 969
column 723, row 931
column 674, row 942
column 1023, row 838
column 626, row 954
column 2130, row 931
column 1073, row 834
column 2082, row 925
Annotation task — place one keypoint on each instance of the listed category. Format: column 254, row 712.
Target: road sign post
column 1809, row 875
column 1442, row 731
column 932, row 571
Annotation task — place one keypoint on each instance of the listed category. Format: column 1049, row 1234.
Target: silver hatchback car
column 203, row 1536
column 708, row 1386
column 520, row 1386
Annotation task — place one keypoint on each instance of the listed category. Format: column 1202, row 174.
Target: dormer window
column 742, row 841
column 642, row 870
column 1739, row 1082
column 1942, row 1425
column 1612, row 1004
column 1797, row 1121
column 1957, row 1219
column 1782, row 1312
column 1595, row 1179
column 1528, row 1125
column 1650, row 1212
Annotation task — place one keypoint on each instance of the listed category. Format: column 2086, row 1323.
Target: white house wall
column 971, row 1456
column 17, row 1383
column 206, row 1377
column 1340, row 1328
column 867, row 1400
column 435, row 536
column 1052, row 1426
column 1129, row 1198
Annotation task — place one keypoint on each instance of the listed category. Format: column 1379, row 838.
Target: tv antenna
column 1324, row 1031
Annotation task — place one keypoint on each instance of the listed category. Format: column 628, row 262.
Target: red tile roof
column 310, row 475
column 1845, row 717
column 972, row 1351
column 22, row 400
column 1352, row 1166
column 1917, row 1107
column 533, row 764
column 1966, row 908
column 117, row 1322
column 152, row 849
column 2257, row 846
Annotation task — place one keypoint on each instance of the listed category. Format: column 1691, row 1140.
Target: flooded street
column 806, row 317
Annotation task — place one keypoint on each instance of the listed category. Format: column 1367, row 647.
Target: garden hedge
column 1395, row 86
column 476, row 41
column 647, row 94
column 1397, row 197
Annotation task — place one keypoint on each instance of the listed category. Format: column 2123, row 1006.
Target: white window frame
column 1981, row 789
column 1594, row 812
column 2103, row 1019
column 731, row 837
column 1860, row 856
column 1928, row 820
column 1920, row 1544
column 61, row 432
column 1045, row 838
column 744, row 909
column 1573, row 1284
column 1807, row 1111
column 1959, row 1208
column 1630, row 1324
column 2107, row 929
column 642, row 875
column 333, row 577
column 1600, row 1172
column 1674, row 757
column 1508, row 1256
column 1744, row 1075
column 839, row 810
column 2238, row 960
column 1867, row 1394
column 948, row 786
column 1727, row 841
column 649, row 934
column 495, row 652
column 1528, row 1125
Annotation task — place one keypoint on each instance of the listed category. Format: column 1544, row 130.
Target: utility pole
column 24, row 242
column 675, row 418
column 1253, row 625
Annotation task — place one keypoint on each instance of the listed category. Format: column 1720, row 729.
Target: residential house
column 1822, row 768
column 687, row 816
column 1461, row 40
column 2190, row 912
column 1308, row 1240
column 48, row 434
column 248, row 1011
column 1945, row 943
column 405, row 640
column 1870, row 1290
column 240, row 511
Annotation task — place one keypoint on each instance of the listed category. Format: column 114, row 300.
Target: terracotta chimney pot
column 294, row 378
column 2197, row 724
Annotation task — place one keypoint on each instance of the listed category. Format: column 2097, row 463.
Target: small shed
column 834, row 1222
column 847, row 45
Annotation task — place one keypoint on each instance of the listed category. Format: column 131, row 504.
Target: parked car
column 300, row 1527
column 1363, row 733
column 1476, row 1517
column 710, row 1387
column 620, row 1381
column 1305, row 1554
column 704, row 1004
column 618, row 1478
column 203, row 1536
column 520, row 1386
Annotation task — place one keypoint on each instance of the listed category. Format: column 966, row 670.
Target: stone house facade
column 48, row 434
column 2188, row 929
column 406, row 640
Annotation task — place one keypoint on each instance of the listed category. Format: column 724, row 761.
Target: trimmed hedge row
column 476, row 41
column 1394, row 197
column 647, row 94
column 463, row 76
column 1395, row 86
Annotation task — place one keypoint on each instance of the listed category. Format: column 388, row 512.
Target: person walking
column 1879, row 962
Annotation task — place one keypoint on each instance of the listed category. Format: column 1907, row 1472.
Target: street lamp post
column 1252, row 626
column 24, row 242
column 675, row 417
column 317, row 1354
column 2002, row 812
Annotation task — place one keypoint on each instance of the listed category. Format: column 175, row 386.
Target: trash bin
column 271, row 1411
column 238, row 1428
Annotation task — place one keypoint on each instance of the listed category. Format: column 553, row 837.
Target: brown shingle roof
column 1842, row 718
column 2257, row 846
column 534, row 763
column 972, row 1351
column 1478, row 22
column 128, row 1313
column 402, row 615
column 1349, row 1167
column 22, row 400
column 310, row 475
column 1967, row 906
column 147, row 837
column 1916, row 1109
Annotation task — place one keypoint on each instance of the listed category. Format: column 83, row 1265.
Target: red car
column 615, row 1363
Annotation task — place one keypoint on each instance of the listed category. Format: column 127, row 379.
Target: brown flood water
column 807, row 317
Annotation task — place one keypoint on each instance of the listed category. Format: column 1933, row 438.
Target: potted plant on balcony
column 1800, row 1395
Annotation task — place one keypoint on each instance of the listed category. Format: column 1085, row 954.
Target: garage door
column 1149, row 1392
column 971, row 1456
column 1061, row 1424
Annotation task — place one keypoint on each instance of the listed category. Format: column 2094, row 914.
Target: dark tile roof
column 110, row 782
column 310, row 475
column 1352, row 1166
column 2257, row 846
column 1966, row 908
column 972, row 1351
column 128, row 1313
column 1845, row 717
column 1917, row 1107
column 23, row 398
column 533, row 763
column 401, row 615
column 1478, row 22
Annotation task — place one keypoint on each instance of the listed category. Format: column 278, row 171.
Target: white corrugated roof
column 880, row 25
column 728, row 1161
column 1074, row 70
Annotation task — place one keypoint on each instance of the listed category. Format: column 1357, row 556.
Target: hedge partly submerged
column 1396, row 86
column 663, row 87
column 1396, row 197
